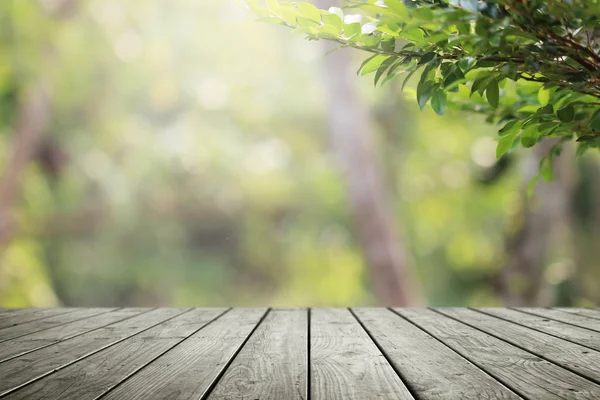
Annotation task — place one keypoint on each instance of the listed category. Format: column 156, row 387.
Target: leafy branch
column 535, row 63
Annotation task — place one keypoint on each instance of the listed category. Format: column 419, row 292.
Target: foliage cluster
column 531, row 66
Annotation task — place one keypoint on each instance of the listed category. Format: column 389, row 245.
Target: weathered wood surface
column 345, row 363
column 526, row 374
column 30, row 327
column 274, row 362
column 578, row 359
column 363, row 353
column 430, row 368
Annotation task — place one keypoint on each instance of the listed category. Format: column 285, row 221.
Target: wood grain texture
column 565, row 318
column 217, row 354
column 27, row 315
column 11, row 311
column 188, row 371
column 584, row 312
column 569, row 355
column 273, row 363
column 97, row 374
column 345, row 363
column 430, row 369
column 50, row 322
column 16, row 347
column 543, row 324
column 35, row 365
column 525, row 373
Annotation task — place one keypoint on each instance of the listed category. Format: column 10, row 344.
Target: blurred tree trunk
column 31, row 122
column 374, row 220
column 543, row 233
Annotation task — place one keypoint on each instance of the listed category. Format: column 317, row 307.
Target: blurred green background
column 180, row 153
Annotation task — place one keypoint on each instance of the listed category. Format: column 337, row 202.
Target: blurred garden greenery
column 185, row 161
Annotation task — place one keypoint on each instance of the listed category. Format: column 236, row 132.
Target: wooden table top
column 243, row 353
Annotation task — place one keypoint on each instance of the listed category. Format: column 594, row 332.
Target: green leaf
column 595, row 121
column 397, row 7
column 505, row 144
column 531, row 185
column 547, row 127
column 352, row 29
column 528, row 109
column 566, row 114
column 466, row 63
column 388, row 44
column 546, row 169
column 423, row 13
column 543, row 96
column 309, row 11
column 510, row 127
column 425, row 90
column 547, row 109
column 438, row 102
column 492, row 93
column 372, row 64
column 453, row 75
column 529, row 136
column 384, row 66
column 333, row 20
column 425, row 58
column 414, row 34
column 480, row 83
column 289, row 15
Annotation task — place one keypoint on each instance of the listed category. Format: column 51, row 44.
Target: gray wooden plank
column 189, row 370
column 97, row 374
column 28, row 315
column 584, row 312
column 25, row 344
column 525, row 373
column 50, row 322
column 429, row 368
column 32, row 366
column 273, row 363
column 345, row 363
column 569, row 355
column 572, row 319
column 541, row 322
column 8, row 312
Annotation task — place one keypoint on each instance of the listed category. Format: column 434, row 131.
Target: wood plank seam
column 105, row 393
column 532, row 377
column 50, row 327
column 554, row 319
column 14, row 389
column 577, row 314
column 69, row 337
column 215, row 381
column 539, row 330
column 509, row 387
column 385, row 355
column 542, row 331
column 522, row 348
column 308, row 369
column 37, row 319
column 500, row 380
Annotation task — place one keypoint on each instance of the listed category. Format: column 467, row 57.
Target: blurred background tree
column 179, row 153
